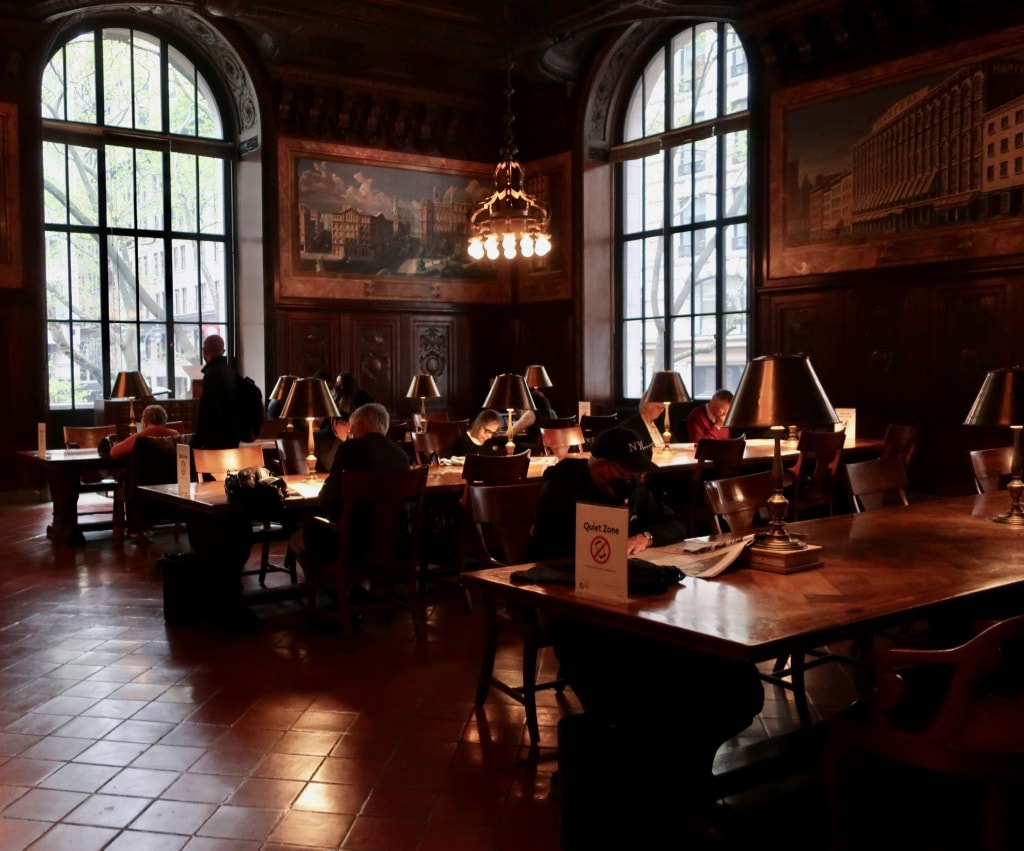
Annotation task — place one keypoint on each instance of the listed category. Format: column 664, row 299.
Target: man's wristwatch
column 649, row 537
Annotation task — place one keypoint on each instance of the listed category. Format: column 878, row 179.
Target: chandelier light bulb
column 543, row 245
column 476, row 248
column 526, row 245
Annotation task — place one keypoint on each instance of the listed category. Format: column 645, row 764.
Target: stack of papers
column 700, row 557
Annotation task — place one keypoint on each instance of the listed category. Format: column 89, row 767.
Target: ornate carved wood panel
column 375, row 358
column 307, row 342
column 432, row 342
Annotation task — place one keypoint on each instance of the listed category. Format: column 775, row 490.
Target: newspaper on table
column 703, row 558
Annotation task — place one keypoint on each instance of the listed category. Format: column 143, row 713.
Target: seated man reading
column 664, row 710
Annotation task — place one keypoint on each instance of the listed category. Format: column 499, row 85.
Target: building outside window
column 136, row 169
column 681, row 230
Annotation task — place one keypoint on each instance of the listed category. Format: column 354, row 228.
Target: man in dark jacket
column 654, row 714
column 216, row 419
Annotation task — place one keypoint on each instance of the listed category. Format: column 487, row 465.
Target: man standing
column 709, row 420
column 642, row 752
column 216, row 426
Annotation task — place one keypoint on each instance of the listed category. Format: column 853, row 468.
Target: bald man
column 215, row 420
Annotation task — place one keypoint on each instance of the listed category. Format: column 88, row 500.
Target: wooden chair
column 952, row 711
column 561, row 441
column 594, row 424
column 216, row 463
column 378, row 541
column 813, row 476
column 556, row 422
column 876, row 484
column 446, row 432
column 292, row 447
column 715, row 459
column 991, row 468
column 901, row 441
column 737, row 505
column 152, row 461
column 428, row 447
column 95, row 481
column 503, row 517
column 397, row 430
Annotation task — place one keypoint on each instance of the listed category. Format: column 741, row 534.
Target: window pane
column 120, row 187
column 211, row 195
column 682, row 264
column 705, row 83
column 682, row 184
column 632, row 276
column 186, row 276
column 632, row 359
column 187, row 349
column 654, row 277
column 58, row 363
column 122, row 301
column 151, row 278
column 55, row 201
column 182, row 93
column 682, row 352
column 184, row 216
column 704, row 357
column 705, row 270
column 54, row 95
column 124, row 347
column 153, row 357
column 735, row 349
column 654, row 96
column 149, row 189
column 632, row 196
column 705, row 180
column 85, row 276
column 736, row 75
column 736, row 267
column 148, row 101
column 83, row 177
column 736, row 179
column 654, row 191
column 682, row 94
column 633, row 126
column 58, row 295
column 80, row 54
column 87, row 371
column 213, row 273
column 117, row 78
column 210, row 125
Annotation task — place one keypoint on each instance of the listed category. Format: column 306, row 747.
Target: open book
column 701, row 557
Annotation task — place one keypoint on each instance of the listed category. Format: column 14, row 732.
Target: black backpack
column 249, row 410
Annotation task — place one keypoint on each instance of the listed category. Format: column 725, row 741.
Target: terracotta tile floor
column 119, row 732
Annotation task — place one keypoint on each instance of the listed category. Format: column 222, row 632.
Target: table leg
column 64, row 491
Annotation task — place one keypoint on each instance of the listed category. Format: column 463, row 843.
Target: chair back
column 877, row 483
column 737, row 504
column 496, row 469
column 291, row 452
column 901, row 441
column 561, row 441
column 381, row 525
column 503, row 517
column 447, row 432
column 556, row 422
column 595, row 424
column 428, row 446
column 719, row 459
column 87, row 437
column 814, row 473
column 152, row 461
column 397, row 430
column 217, row 462
column 991, row 468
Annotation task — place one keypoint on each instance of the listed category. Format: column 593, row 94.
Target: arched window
column 681, row 233
column 138, row 216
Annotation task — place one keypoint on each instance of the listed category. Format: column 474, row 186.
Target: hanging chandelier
column 509, row 218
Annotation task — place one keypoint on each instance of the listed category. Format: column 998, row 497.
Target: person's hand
column 637, row 544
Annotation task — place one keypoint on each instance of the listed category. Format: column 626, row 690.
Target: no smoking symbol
column 600, row 549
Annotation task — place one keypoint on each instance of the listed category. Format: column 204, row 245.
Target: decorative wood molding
column 10, row 205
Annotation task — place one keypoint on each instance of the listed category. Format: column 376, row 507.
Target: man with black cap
column 611, row 476
column 641, row 754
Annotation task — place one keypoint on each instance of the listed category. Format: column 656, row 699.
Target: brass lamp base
column 1015, row 516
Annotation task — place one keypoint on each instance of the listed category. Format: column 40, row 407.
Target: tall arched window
column 681, row 233
column 136, row 191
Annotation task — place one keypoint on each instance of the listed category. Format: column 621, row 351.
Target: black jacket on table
column 569, row 482
column 216, row 426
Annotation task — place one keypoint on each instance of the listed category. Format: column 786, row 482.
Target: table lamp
column 423, row 387
column 281, row 388
column 1000, row 401
column 509, row 393
column 776, row 391
column 131, row 386
column 665, row 388
column 536, row 377
column 310, row 398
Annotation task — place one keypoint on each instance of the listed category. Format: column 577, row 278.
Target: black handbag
column 263, row 492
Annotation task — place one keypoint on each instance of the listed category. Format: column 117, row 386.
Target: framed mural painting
column 10, row 211
column 358, row 224
column 919, row 161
